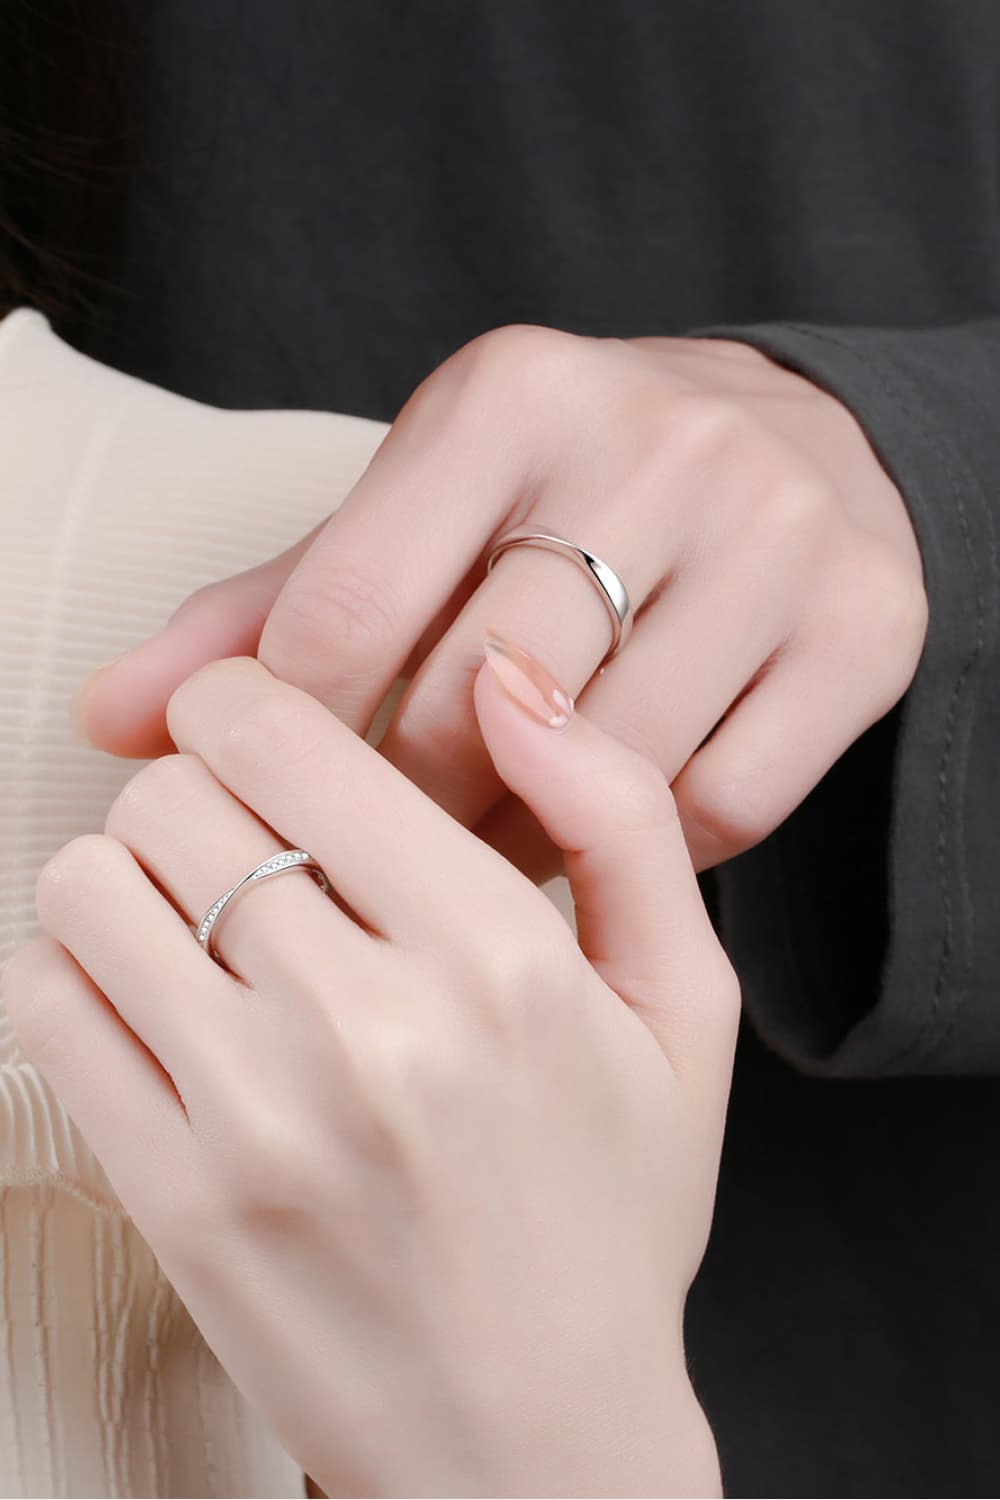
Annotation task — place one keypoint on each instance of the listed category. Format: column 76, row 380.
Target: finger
column 538, row 598
column 640, row 918
column 399, row 550
column 76, row 1038
column 771, row 751
column 94, row 899
column 122, row 707
column 686, row 644
column 710, row 622
column 196, row 841
column 407, row 869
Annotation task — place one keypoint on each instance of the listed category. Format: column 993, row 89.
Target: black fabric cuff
column 866, row 930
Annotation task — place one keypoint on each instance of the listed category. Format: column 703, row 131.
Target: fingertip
column 186, row 699
column 122, row 706
column 524, row 714
column 80, row 707
column 527, row 682
column 119, row 707
column 516, row 740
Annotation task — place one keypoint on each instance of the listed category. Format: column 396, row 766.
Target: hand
column 432, row 1179
column 771, row 559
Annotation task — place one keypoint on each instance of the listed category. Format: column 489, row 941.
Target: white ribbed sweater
column 116, row 500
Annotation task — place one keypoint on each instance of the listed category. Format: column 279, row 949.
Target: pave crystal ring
column 288, row 859
column 613, row 593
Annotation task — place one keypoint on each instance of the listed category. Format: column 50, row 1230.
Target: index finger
column 393, row 564
column 398, row 861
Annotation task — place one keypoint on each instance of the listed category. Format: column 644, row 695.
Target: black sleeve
column 866, row 930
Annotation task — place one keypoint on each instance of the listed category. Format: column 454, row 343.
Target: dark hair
column 69, row 79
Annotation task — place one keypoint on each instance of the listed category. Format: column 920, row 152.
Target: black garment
column 333, row 197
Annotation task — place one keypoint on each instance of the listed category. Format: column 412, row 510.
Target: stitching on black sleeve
column 953, row 465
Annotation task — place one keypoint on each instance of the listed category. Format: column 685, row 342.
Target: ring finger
column 94, row 898
column 196, row 841
column 685, row 643
column 534, row 597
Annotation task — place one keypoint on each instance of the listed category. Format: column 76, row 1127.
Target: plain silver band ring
column 288, row 859
column 610, row 587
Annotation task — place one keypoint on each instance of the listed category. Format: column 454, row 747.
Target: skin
column 432, row 1177
column 481, row 1310
column 771, row 560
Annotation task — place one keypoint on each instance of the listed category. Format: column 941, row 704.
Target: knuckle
column 901, row 612
column 335, row 609
column 513, row 956
column 704, row 424
column 879, row 614
column 796, row 506
column 266, row 1174
column 407, row 1063
column 213, row 678
column 899, row 662
column 509, row 372
column 70, row 876
column 643, row 799
column 273, row 731
column 720, row 1004
column 203, row 598
column 723, row 992
column 514, row 345
column 164, row 788
column 515, row 962
column 732, row 813
column 417, row 1079
column 528, row 358
column 716, row 1005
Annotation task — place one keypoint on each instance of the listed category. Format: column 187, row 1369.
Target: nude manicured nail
column 530, row 684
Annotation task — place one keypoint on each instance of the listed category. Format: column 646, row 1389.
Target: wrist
column 660, row 1444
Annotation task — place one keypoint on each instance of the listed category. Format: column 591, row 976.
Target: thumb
column 640, row 918
column 122, row 707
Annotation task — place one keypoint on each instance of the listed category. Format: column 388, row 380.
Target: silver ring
column 610, row 587
column 288, row 859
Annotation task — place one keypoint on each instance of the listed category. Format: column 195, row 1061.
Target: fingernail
column 77, row 716
column 530, row 684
